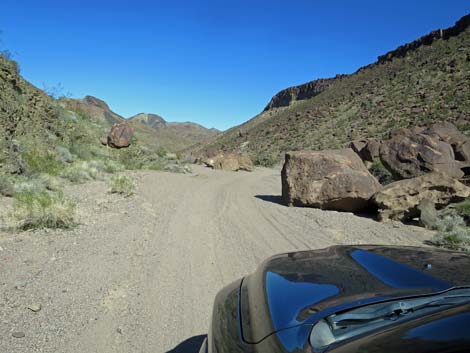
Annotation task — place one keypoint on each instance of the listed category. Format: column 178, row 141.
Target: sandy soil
column 139, row 274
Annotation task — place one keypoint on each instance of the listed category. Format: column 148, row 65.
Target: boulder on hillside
column 230, row 162
column 447, row 132
column 400, row 200
column 332, row 180
column 367, row 149
column 120, row 136
column 408, row 154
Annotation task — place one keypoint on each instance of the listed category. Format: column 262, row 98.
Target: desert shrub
column 463, row 208
column 452, row 233
column 80, row 172
column 64, row 154
column 38, row 160
column 26, row 184
column 378, row 170
column 111, row 166
column 7, row 188
column 161, row 152
column 42, row 209
column 50, row 182
column 121, row 184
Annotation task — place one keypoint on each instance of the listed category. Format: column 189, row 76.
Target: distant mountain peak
column 152, row 120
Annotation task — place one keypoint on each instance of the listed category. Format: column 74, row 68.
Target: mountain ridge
column 418, row 83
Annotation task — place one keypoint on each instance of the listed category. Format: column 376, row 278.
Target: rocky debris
column 231, row 162
column 367, row 149
column 400, row 200
column 120, row 136
column 410, row 153
column 332, row 179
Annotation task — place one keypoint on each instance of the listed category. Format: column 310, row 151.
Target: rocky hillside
column 26, row 113
column 151, row 129
column 175, row 136
column 420, row 82
column 94, row 108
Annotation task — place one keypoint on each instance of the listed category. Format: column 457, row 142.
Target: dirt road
column 139, row 274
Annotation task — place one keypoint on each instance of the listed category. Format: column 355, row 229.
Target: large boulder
column 120, row 136
column 400, row 200
column 409, row 153
column 333, row 180
column 447, row 132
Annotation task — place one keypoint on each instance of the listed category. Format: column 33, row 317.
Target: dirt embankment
column 140, row 274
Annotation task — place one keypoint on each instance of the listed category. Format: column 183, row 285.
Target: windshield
column 354, row 322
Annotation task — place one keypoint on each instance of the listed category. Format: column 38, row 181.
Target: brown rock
column 333, row 179
column 230, row 162
column 400, row 200
column 367, row 149
column 120, row 136
column 447, row 132
column 408, row 155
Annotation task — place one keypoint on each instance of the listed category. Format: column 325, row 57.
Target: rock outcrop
column 428, row 39
column 300, row 92
column 120, row 136
column 400, row 200
column 332, row 180
column 411, row 152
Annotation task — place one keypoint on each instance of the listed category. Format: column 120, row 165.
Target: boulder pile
column 401, row 200
column 428, row 164
column 232, row 162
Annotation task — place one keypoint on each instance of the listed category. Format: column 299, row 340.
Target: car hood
column 297, row 289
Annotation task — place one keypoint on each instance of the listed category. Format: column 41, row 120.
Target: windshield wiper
column 395, row 309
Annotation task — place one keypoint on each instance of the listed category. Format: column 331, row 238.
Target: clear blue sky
column 214, row 62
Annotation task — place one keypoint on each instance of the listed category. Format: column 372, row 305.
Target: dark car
column 347, row 299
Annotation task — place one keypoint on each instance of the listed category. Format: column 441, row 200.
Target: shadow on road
column 191, row 345
column 271, row 198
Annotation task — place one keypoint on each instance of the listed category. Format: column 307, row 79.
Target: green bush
column 35, row 210
column 121, row 184
column 381, row 173
column 463, row 208
column 39, row 161
column 452, row 233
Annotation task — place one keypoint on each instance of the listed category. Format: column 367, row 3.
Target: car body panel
column 300, row 288
column 274, row 309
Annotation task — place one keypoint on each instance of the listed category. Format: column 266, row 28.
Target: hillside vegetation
column 47, row 143
column 421, row 82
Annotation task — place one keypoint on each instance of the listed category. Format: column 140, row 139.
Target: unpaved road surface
column 139, row 274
